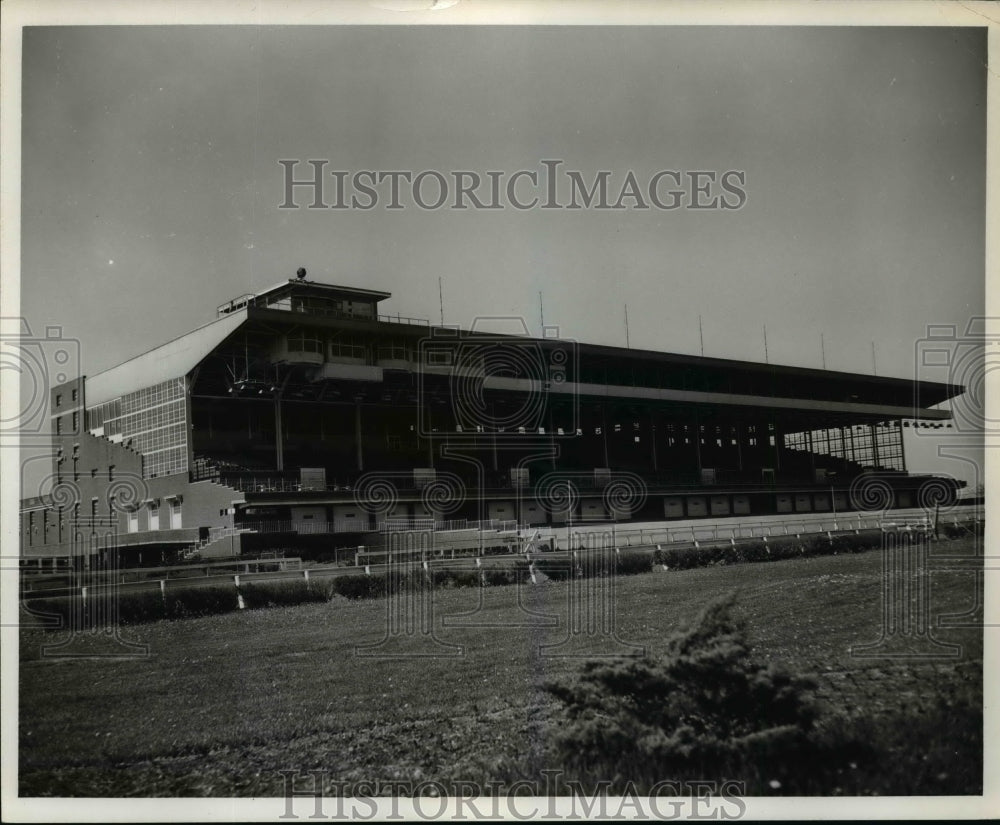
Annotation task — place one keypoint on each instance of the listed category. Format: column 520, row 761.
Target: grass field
column 221, row 704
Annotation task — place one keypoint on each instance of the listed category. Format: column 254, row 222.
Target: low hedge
column 281, row 593
column 958, row 531
column 201, row 601
column 627, row 563
column 633, row 563
column 150, row 606
column 687, row 557
column 136, row 608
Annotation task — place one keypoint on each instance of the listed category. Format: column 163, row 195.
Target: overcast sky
column 151, row 180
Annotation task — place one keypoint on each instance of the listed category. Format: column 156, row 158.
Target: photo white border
column 20, row 13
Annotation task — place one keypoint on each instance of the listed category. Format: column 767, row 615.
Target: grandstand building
column 301, row 418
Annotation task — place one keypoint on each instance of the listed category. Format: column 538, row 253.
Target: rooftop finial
column 301, row 272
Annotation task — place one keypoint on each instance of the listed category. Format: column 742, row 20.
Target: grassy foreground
column 221, row 704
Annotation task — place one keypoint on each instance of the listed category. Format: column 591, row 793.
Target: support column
column 604, row 433
column 902, row 446
column 279, row 445
column 652, row 425
column 697, row 444
column 430, row 438
column 552, row 438
column 357, row 436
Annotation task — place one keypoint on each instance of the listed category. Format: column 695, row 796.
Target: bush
column 360, row 586
column 142, row 607
column 961, row 530
column 52, row 613
column 281, row 594
column 457, row 578
column 556, row 569
column 504, row 576
column 687, row 557
column 681, row 558
column 629, row 564
column 706, row 709
column 201, row 601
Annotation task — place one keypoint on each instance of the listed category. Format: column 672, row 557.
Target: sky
column 151, row 181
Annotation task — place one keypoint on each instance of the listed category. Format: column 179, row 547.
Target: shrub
column 201, row 601
column 706, row 709
column 752, row 551
column 131, row 608
column 503, row 576
column 961, row 530
column 681, row 558
column 281, row 594
column 629, row 564
column 457, row 578
column 687, row 557
column 360, row 586
column 52, row 613
column 138, row 608
column 556, row 569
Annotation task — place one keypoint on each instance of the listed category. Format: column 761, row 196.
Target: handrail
column 402, row 319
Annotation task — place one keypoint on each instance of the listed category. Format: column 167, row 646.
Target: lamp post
column 833, row 500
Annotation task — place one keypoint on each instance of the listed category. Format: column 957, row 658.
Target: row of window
column 73, row 422
column 151, row 421
column 151, row 520
column 50, row 526
column 76, row 470
column 876, row 444
column 165, row 462
column 333, row 306
column 74, row 396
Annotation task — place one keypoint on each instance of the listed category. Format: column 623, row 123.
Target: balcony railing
column 402, row 319
column 308, row 528
column 582, row 481
column 361, row 525
column 278, row 484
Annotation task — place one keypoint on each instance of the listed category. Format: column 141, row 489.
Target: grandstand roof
column 180, row 355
